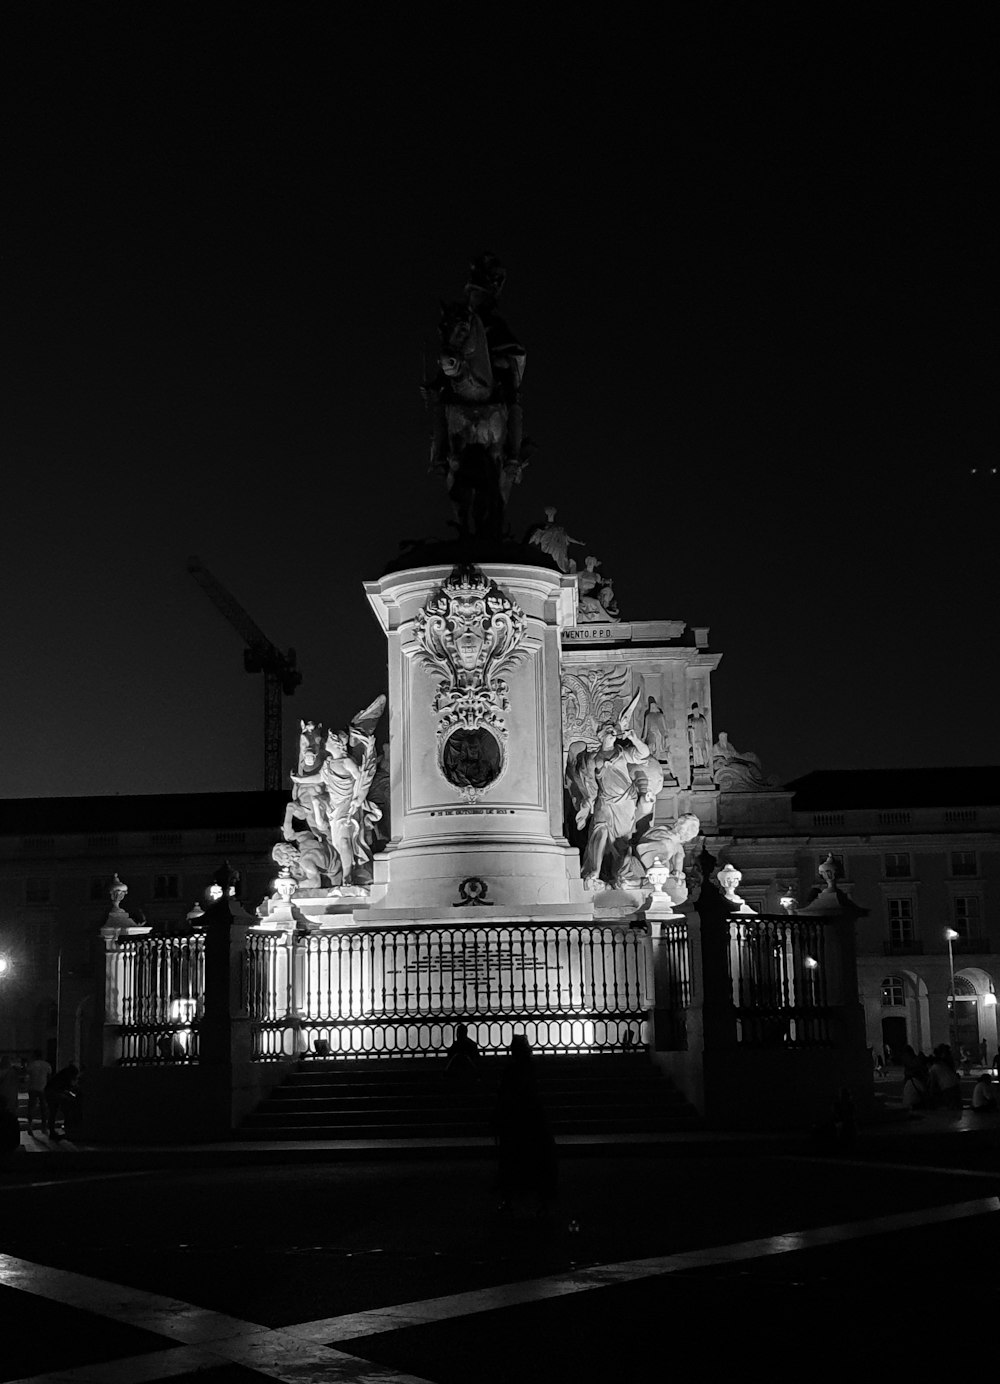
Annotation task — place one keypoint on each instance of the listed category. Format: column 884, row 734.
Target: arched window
column 964, row 986
column 892, row 992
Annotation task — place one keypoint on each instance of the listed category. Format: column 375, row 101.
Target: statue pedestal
column 476, row 769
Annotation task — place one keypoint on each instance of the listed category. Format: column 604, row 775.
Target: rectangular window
column 102, row 843
column 963, row 863
column 900, row 919
column 960, row 814
column 967, row 915
column 892, row 993
column 38, row 845
column 166, row 887
column 894, row 819
column 897, row 865
column 37, row 890
column 828, row 819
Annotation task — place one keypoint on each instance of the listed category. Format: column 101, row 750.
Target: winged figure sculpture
column 347, row 772
column 613, row 786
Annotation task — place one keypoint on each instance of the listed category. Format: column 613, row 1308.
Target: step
column 444, row 1083
column 395, row 1114
column 333, row 1099
column 461, row 1129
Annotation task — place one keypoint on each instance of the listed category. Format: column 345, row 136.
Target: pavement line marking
column 397, row 1318
column 130, row 1369
column 217, row 1336
column 988, row 1174
column 295, row 1354
column 73, row 1181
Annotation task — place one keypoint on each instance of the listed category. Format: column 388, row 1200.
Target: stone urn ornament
column 657, row 874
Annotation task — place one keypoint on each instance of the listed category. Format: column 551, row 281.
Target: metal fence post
column 225, row 1027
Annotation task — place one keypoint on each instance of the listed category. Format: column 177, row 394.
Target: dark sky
column 752, row 263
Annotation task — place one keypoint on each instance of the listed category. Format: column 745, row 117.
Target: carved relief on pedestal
column 591, row 700
column 469, row 633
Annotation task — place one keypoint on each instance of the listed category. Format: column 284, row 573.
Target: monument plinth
column 476, row 765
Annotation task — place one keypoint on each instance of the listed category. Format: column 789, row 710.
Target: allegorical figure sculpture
column 654, row 729
column 307, row 784
column 666, row 843
column 347, row 774
column 736, row 770
column 305, row 852
column 474, row 398
column 553, row 539
column 597, row 603
column 614, row 786
column 698, row 742
column 330, row 823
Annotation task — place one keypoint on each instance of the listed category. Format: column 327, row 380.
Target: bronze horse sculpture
column 476, row 440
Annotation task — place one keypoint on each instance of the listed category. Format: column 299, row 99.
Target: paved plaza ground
column 705, row 1254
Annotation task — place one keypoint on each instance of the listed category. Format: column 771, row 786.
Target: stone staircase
column 599, row 1096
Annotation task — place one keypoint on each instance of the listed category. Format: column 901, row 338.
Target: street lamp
column 4, row 973
column 951, row 935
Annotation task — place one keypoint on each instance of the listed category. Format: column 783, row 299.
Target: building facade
column 919, row 849
column 58, row 857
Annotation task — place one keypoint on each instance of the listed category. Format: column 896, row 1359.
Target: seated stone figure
column 667, row 842
column 737, row 771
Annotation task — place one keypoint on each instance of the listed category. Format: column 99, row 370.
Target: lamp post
column 950, row 936
column 4, row 973
column 57, row 1064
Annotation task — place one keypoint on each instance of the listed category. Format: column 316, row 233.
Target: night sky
column 752, row 263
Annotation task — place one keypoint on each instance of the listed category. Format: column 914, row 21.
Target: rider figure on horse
column 475, row 402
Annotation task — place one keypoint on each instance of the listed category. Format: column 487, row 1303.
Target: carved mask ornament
column 469, row 632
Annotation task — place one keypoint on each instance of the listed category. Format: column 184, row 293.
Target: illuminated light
column 787, row 902
column 989, row 999
column 950, row 934
column 215, row 892
column 811, row 963
column 4, row 965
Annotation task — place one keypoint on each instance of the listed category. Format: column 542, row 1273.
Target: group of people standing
column 526, row 1150
column 933, row 1082
column 52, row 1096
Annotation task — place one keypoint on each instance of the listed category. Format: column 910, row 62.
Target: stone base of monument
column 619, row 904
column 519, row 879
column 476, row 765
column 321, row 909
column 313, row 908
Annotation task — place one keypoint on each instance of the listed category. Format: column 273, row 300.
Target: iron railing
column 673, row 987
column 777, row 968
column 400, row 992
column 270, row 997
column 156, row 996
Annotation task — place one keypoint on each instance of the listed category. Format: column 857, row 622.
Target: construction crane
column 259, row 656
